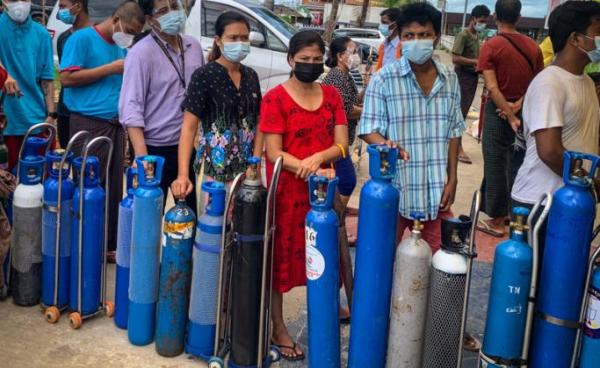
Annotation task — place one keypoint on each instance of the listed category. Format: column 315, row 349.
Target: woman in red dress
column 306, row 124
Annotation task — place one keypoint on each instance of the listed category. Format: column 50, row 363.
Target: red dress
column 3, row 76
column 304, row 133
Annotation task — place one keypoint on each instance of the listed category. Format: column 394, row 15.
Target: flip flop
column 471, row 344
column 484, row 227
column 288, row 357
column 465, row 159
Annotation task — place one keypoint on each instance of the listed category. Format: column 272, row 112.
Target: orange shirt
column 381, row 51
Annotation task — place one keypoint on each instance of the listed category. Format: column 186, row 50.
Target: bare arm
column 376, row 138
column 182, row 186
column 461, row 60
column 550, row 148
column 356, row 113
column 48, row 88
column 83, row 77
column 136, row 136
column 491, row 83
column 449, row 192
column 310, row 165
column 259, row 143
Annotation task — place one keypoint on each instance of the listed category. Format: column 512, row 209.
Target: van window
column 212, row 11
column 274, row 43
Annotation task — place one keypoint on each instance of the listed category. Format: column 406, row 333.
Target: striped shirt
column 397, row 108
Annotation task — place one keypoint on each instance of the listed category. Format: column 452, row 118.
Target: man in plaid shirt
column 414, row 103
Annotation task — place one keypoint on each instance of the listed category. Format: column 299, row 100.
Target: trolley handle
column 474, row 215
column 533, row 239
column 57, row 238
column 85, row 154
column 50, row 128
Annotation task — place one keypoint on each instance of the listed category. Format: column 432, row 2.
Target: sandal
column 464, row 159
column 485, row 227
column 289, row 357
column 471, row 344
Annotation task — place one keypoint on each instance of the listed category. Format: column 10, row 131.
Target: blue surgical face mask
column 479, row 27
column 384, row 29
column 236, row 51
column 594, row 54
column 65, row 16
column 172, row 22
column 418, row 51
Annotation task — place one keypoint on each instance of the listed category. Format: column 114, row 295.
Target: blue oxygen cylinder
column 590, row 350
column 565, row 264
column 145, row 250
column 49, row 231
column 205, row 277
column 94, row 199
column 375, row 247
column 175, row 280
column 508, row 298
column 26, row 239
column 322, row 275
column 123, row 252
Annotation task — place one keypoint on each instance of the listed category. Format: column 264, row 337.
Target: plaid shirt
column 396, row 107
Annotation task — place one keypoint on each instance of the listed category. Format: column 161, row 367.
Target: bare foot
column 344, row 313
column 289, row 348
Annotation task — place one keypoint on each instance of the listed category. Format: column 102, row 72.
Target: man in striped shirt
column 414, row 103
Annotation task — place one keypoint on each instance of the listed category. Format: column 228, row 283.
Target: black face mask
column 308, row 73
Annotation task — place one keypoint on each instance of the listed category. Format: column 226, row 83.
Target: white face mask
column 18, row 11
column 354, row 62
column 122, row 39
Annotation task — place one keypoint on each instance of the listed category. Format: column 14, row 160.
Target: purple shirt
column 152, row 91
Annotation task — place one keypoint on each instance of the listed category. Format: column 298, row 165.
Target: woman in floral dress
column 305, row 123
column 224, row 96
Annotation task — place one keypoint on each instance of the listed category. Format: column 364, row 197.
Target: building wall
column 349, row 13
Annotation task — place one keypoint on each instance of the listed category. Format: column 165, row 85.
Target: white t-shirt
column 556, row 98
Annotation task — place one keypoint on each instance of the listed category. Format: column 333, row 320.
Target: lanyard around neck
column 180, row 74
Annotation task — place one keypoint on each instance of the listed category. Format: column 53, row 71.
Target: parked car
column 367, row 52
column 371, row 37
column 270, row 36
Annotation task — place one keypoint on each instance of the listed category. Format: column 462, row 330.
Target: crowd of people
column 136, row 73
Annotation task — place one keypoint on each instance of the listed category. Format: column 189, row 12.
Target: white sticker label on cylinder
column 315, row 262
column 592, row 321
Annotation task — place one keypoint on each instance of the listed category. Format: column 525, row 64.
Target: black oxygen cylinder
column 246, row 274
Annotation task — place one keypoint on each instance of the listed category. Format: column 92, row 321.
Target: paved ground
column 27, row 341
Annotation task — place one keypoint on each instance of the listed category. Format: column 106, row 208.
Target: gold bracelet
column 341, row 149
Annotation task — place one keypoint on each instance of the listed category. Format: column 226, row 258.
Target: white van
column 270, row 34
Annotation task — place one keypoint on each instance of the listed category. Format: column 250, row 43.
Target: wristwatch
column 53, row 115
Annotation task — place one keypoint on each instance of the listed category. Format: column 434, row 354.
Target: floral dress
column 304, row 133
column 228, row 119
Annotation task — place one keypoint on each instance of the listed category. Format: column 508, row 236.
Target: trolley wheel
column 216, row 362
column 110, row 309
column 274, row 354
column 75, row 320
column 52, row 314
